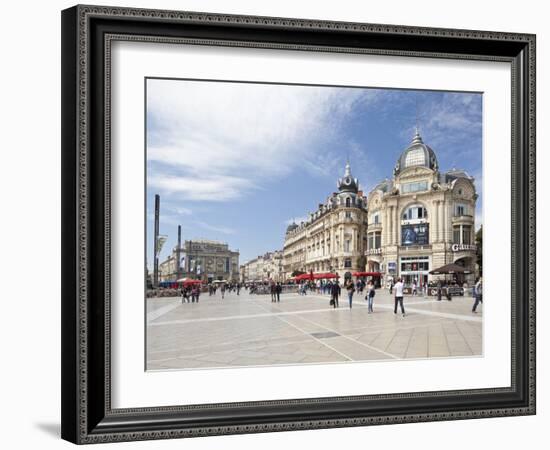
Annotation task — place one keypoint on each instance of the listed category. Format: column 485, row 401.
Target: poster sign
column 417, row 234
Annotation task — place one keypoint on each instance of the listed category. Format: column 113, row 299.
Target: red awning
column 367, row 274
column 325, row 276
column 304, row 276
column 191, row 282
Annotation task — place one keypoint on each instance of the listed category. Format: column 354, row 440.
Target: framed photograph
column 279, row 224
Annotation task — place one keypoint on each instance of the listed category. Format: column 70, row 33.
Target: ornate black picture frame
column 87, row 34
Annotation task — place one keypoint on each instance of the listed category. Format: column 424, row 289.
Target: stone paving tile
column 252, row 331
column 418, row 344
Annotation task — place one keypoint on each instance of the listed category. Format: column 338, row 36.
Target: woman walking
column 370, row 295
column 351, row 289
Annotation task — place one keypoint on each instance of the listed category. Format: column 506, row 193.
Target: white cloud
column 217, row 229
column 454, row 119
column 219, row 141
column 209, row 188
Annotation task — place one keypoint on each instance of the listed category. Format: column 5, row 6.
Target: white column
column 434, row 222
column 386, row 236
column 441, row 221
column 396, row 220
column 391, row 225
column 447, row 221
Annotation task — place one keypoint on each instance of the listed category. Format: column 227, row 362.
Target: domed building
column 421, row 219
column 332, row 239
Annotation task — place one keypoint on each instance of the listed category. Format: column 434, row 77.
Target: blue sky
column 236, row 162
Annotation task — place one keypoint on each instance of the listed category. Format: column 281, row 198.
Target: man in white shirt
column 399, row 296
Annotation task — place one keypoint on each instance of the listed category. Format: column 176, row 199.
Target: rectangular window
column 414, row 187
column 377, row 240
column 456, row 235
column 347, row 263
column 371, row 240
column 460, row 210
column 347, row 245
column 466, row 234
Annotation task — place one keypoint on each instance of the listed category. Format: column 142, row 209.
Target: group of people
column 351, row 288
column 191, row 294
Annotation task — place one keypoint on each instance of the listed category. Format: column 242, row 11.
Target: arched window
column 415, row 212
column 348, row 202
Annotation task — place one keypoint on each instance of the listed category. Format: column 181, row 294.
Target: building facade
column 263, row 268
column 168, row 269
column 210, row 260
column 421, row 219
column 333, row 239
column 202, row 259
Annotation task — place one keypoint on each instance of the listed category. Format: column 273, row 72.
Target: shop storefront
column 414, row 268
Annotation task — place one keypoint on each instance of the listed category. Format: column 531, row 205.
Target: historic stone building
column 334, row 236
column 202, row 259
column 263, row 268
column 169, row 267
column 421, row 219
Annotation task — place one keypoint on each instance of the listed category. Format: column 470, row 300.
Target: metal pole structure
column 178, row 255
column 156, row 254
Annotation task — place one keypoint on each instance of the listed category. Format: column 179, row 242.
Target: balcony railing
column 463, row 218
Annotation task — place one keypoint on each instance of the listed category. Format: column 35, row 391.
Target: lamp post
column 156, row 238
column 178, row 255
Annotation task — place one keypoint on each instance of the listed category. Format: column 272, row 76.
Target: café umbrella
column 449, row 269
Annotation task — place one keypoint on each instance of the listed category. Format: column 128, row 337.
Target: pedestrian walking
column 222, row 290
column 278, row 290
column 478, row 294
column 351, row 290
column 238, row 288
column 185, row 295
column 370, row 296
column 334, row 294
column 272, row 292
column 439, row 291
column 399, row 297
column 391, row 285
column 195, row 293
column 414, row 288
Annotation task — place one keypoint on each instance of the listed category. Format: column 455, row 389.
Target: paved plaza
column 250, row 330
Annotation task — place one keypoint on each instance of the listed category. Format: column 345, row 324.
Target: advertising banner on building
column 417, row 234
